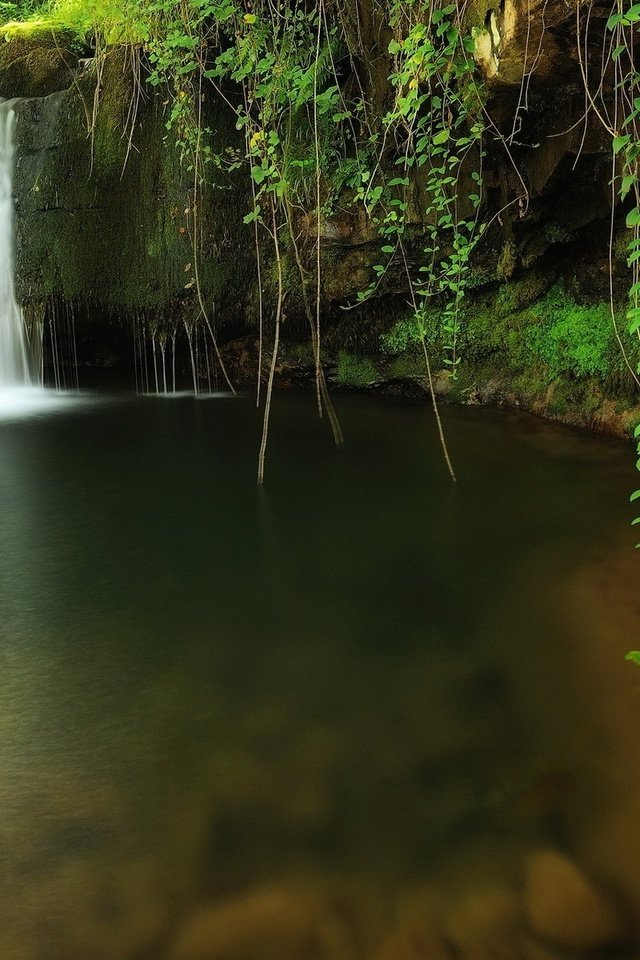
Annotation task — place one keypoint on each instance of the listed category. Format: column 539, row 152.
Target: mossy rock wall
column 532, row 342
column 105, row 211
column 106, row 220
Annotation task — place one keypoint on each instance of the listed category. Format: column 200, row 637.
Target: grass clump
column 116, row 21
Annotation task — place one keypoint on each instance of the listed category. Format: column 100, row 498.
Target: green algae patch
column 114, row 21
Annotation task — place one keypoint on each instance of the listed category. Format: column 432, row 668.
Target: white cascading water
column 14, row 348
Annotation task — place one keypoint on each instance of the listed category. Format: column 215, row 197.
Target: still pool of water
column 355, row 683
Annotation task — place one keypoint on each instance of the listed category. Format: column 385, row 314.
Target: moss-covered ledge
column 532, row 342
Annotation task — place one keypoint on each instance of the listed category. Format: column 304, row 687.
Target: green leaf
column 633, row 316
column 250, row 217
column 620, row 142
column 633, row 217
column 441, row 137
column 634, row 657
column 626, row 185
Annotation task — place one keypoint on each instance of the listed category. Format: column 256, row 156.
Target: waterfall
column 14, row 348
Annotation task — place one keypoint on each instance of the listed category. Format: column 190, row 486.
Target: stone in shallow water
column 485, row 925
column 270, row 924
column 473, row 924
column 411, row 945
column 564, row 907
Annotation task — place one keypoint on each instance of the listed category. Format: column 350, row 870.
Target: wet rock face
column 518, row 39
column 547, row 169
column 104, row 209
column 550, row 163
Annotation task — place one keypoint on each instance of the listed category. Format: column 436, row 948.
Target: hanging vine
column 620, row 115
column 323, row 127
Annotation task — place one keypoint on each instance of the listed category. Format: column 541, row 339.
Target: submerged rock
column 475, row 924
column 270, row 924
column 418, row 934
column 486, row 925
column 564, row 907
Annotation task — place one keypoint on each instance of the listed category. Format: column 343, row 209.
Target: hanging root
column 274, row 356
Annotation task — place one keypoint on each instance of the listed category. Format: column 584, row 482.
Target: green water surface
column 358, row 676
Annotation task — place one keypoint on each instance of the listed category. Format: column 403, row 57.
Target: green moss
column 479, row 278
column 37, row 67
column 529, row 384
column 407, row 366
column 355, row 371
column 539, row 340
column 556, row 233
column 554, row 335
column 621, row 245
column 507, row 262
column 559, row 399
column 300, row 354
column 571, row 338
column 405, row 333
column 115, row 21
column 518, row 294
column 632, row 420
column 475, row 12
